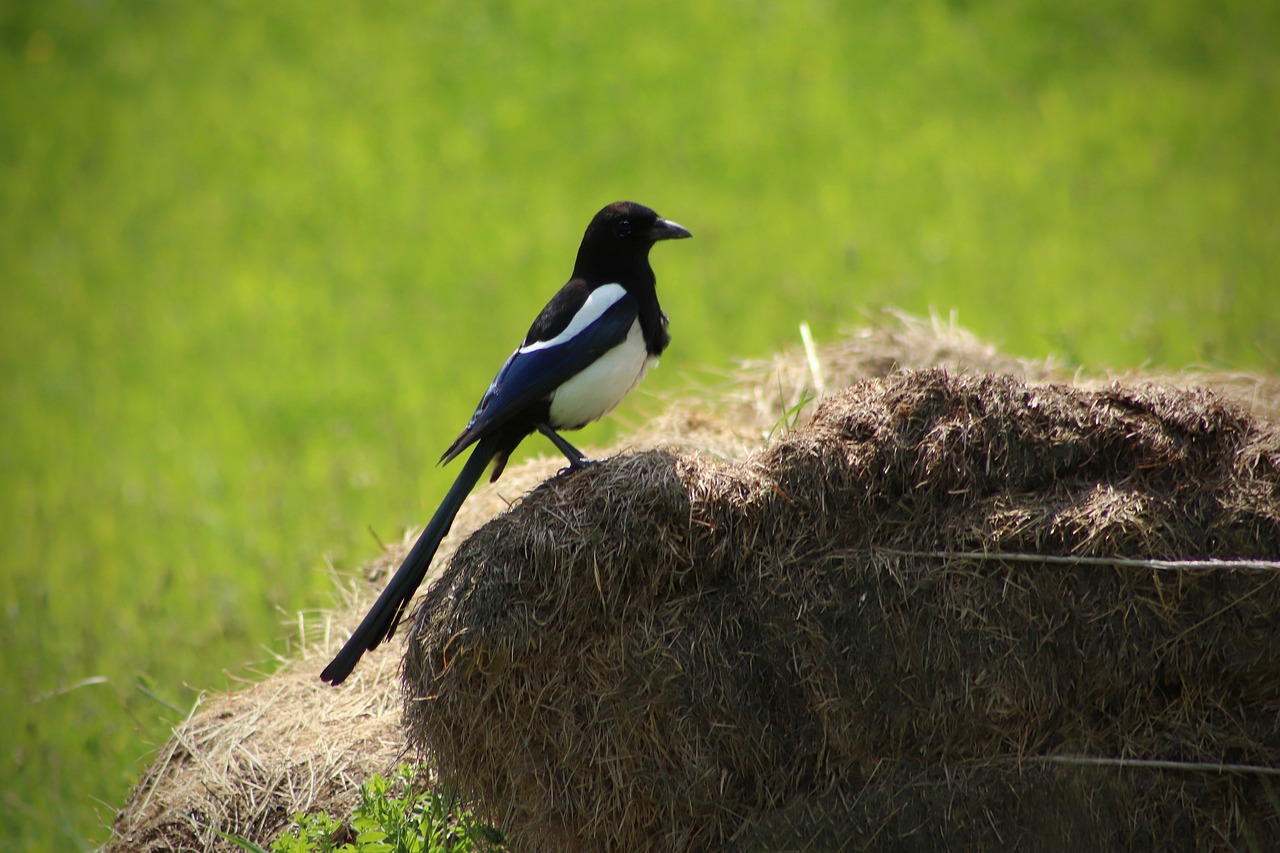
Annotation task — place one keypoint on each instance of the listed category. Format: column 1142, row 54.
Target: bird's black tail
column 381, row 621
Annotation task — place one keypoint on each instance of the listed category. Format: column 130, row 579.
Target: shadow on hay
column 669, row 651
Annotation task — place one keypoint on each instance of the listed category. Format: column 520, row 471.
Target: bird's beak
column 665, row 229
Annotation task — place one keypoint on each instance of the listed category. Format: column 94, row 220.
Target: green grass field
column 259, row 261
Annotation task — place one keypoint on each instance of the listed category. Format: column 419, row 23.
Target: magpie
column 590, row 345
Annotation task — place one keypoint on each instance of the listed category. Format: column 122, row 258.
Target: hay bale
column 808, row 647
column 245, row 761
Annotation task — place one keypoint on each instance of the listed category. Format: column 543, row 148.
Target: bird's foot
column 576, row 465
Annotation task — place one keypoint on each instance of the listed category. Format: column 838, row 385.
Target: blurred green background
column 259, row 261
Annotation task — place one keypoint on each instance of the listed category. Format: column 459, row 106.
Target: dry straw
column 819, row 645
column 939, row 607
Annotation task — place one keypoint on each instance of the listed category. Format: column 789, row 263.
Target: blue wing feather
column 533, row 372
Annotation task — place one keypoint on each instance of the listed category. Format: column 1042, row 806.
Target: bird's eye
column 623, row 228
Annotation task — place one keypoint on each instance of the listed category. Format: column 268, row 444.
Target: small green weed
column 394, row 816
column 791, row 417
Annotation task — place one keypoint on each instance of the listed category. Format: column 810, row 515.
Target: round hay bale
column 245, row 761
column 860, row 636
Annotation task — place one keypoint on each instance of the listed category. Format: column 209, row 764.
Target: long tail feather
column 380, row 623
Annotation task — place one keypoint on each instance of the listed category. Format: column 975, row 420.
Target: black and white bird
column 591, row 344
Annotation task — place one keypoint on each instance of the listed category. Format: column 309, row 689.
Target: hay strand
column 1126, row 562
column 1156, row 764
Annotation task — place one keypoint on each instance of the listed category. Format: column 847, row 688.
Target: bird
column 590, row 345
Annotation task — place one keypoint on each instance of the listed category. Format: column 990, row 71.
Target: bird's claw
column 576, row 465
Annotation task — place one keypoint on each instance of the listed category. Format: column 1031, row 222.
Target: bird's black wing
column 537, row 369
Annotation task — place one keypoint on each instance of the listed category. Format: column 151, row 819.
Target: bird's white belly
column 594, row 392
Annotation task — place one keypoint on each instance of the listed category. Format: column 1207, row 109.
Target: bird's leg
column 573, row 454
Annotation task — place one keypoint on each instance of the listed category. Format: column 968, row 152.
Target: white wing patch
column 600, row 300
column 595, row 391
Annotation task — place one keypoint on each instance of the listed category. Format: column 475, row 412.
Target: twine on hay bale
column 819, row 645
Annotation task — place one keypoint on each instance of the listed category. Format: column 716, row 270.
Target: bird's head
column 625, row 222
column 622, row 234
